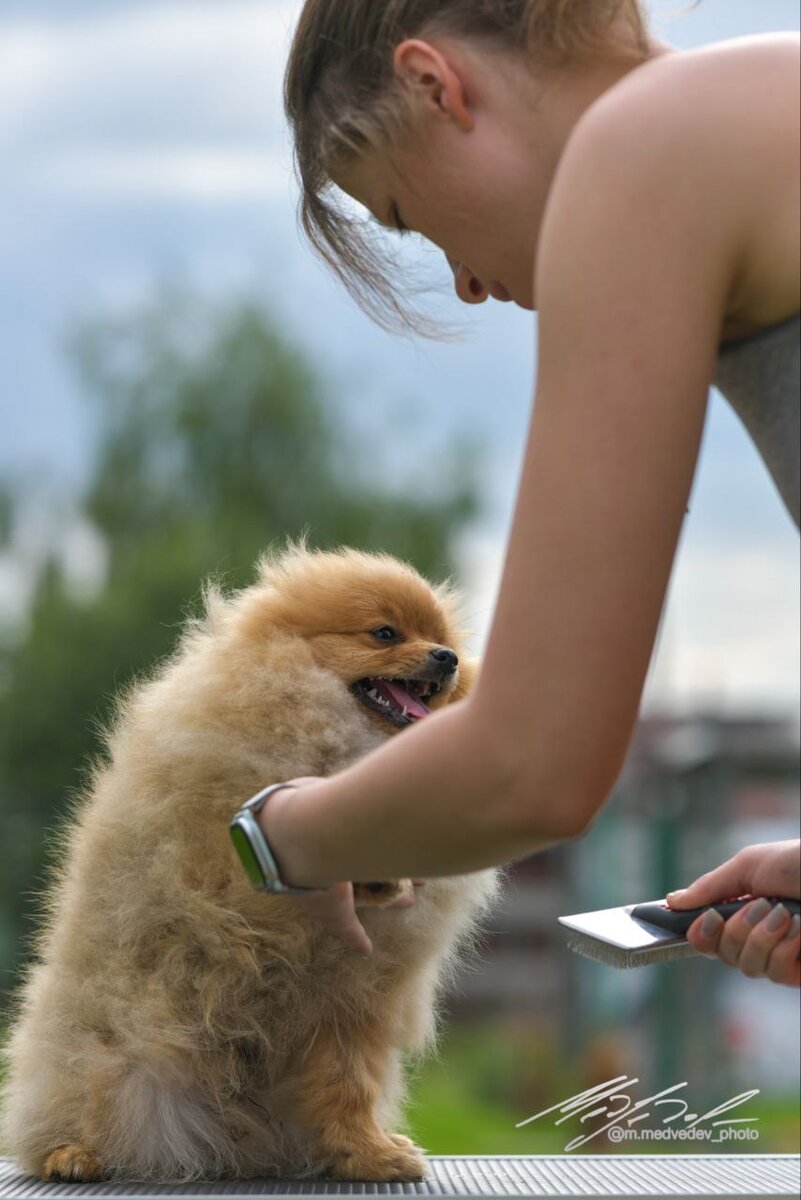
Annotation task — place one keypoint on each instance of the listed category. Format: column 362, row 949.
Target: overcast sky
column 145, row 141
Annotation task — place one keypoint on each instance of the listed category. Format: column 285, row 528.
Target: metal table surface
column 507, row 1178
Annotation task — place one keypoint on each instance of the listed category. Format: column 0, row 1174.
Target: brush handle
column 679, row 920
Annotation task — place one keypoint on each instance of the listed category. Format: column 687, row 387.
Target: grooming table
column 508, row 1178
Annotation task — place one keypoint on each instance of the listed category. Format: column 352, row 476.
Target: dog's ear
column 468, row 673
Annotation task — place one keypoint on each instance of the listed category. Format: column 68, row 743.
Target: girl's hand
column 335, row 907
column 761, row 940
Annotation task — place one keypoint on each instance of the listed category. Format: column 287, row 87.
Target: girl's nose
column 469, row 287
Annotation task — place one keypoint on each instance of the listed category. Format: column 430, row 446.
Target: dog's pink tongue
column 415, row 709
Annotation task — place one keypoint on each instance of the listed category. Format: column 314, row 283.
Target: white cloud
column 730, row 634
column 28, row 57
column 148, row 72
column 200, row 173
column 731, row 629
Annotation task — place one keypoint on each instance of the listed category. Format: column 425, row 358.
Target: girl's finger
column 336, row 911
column 784, row 964
column 763, row 939
column 729, row 879
column 738, row 929
column 354, row 935
column 704, row 933
column 343, row 921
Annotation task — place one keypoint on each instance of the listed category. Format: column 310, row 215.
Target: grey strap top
column 760, row 376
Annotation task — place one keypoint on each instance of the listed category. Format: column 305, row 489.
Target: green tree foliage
column 6, row 514
column 214, row 439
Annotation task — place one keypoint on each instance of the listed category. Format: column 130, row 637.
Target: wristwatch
column 253, row 848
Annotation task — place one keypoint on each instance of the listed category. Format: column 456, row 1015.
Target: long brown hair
column 342, row 98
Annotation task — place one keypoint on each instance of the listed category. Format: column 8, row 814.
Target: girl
column 645, row 202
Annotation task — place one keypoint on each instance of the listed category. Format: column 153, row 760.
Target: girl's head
column 450, row 116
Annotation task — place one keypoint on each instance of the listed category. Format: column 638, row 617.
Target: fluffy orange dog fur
column 180, row 1024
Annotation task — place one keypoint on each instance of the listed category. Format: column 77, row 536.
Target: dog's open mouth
column 401, row 701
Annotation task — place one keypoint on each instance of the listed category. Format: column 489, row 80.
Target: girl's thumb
column 721, row 884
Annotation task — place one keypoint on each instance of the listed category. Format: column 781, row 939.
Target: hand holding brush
column 761, row 939
column 746, row 912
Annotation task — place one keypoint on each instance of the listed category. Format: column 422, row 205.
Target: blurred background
column 182, row 382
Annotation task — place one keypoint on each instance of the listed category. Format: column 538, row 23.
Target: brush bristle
column 614, row 956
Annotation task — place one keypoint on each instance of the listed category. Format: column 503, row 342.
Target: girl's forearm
column 433, row 801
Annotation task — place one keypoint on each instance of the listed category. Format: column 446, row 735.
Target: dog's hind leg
column 136, row 1121
column 336, row 1098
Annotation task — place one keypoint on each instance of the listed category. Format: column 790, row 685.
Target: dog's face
column 398, row 666
column 377, row 625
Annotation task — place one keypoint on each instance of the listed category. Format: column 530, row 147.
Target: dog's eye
column 385, row 633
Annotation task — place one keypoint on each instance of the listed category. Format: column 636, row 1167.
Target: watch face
column 246, row 854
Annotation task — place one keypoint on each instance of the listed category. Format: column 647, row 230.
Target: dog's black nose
column 446, row 660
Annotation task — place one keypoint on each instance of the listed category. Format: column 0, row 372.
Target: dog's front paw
column 394, row 1160
column 382, row 895
column 72, row 1163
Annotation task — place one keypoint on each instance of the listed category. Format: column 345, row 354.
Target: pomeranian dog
column 180, row 1024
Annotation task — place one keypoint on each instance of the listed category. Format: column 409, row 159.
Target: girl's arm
column 639, row 252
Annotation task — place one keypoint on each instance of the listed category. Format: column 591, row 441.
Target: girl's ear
column 435, row 79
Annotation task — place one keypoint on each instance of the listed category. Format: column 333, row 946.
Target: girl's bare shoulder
column 727, row 114
column 751, row 79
